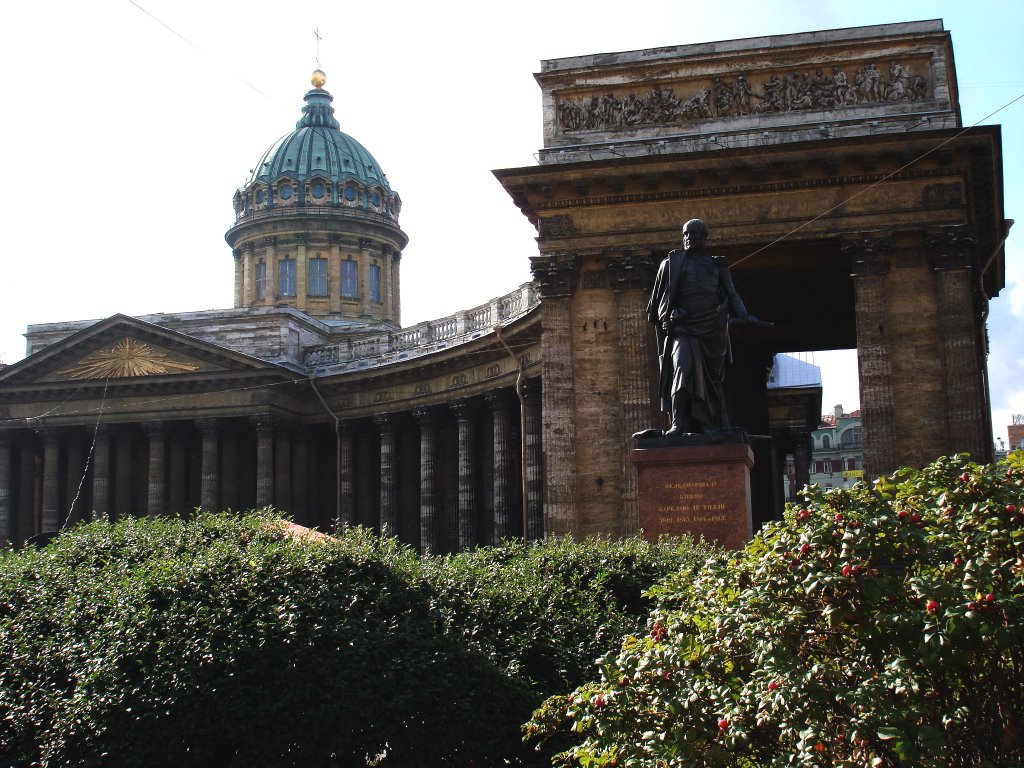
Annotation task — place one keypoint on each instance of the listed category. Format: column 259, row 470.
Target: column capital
column 556, row 273
column 385, row 422
column 869, row 253
column 424, row 415
column 207, row 426
column 154, row 428
column 463, row 407
column 631, row 271
column 499, row 400
column 954, row 247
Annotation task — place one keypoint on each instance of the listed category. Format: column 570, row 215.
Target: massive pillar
column 264, row 461
column 101, row 473
column 466, row 507
column 534, row 471
column 869, row 264
column 346, row 486
column 430, row 526
column 504, row 524
column 209, row 429
column 157, row 483
column 283, row 469
column 557, row 276
column 631, row 278
column 300, row 480
column 952, row 252
column 51, row 479
column 385, row 423
column 74, row 474
column 6, row 519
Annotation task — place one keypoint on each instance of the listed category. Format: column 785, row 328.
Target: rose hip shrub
column 879, row 626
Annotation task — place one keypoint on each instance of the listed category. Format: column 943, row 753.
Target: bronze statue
column 690, row 306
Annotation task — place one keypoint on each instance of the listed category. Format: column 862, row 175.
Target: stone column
column 239, row 277
column 334, row 272
column 264, row 461
column 557, row 276
column 631, row 277
column 385, row 423
column 229, row 469
column 430, row 526
column 270, row 258
column 177, row 503
column 301, row 271
column 869, row 263
column 365, row 259
column 156, row 477
column 952, row 254
column 6, row 518
column 394, row 292
column 123, row 505
column 74, row 474
column 802, row 457
column 346, row 479
column 208, row 428
column 101, row 474
column 504, row 525
column 300, row 480
column 283, row 469
column 467, row 506
column 28, row 496
column 534, row 469
column 51, row 479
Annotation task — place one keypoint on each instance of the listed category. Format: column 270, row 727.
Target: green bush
column 875, row 626
column 222, row 641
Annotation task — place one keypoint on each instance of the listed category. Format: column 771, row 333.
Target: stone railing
column 421, row 339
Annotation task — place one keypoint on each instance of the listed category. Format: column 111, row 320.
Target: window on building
column 851, row 462
column 819, row 467
column 349, row 279
column 318, row 277
column 261, row 280
column 287, row 275
column 374, row 282
column 826, row 442
column 850, row 438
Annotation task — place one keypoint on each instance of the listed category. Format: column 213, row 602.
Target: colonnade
column 442, row 477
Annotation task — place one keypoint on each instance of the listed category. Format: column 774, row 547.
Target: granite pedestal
column 696, row 486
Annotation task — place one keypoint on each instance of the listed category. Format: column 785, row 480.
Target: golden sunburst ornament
column 129, row 358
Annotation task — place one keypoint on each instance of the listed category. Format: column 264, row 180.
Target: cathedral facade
column 830, row 158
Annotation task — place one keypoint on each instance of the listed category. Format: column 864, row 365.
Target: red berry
column 847, row 571
column 839, row 517
column 804, row 547
column 958, row 560
column 932, row 606
column 990, row 598
column 803, row 514
column 623, row 680
column 599, row 701
column 723, row 724
column 964, row 477
column 1011, row 508
column 973, row 606
column 916, row 517
column 901, row 514
column 773, row 685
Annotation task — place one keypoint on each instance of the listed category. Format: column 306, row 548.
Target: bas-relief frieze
column 737, row 97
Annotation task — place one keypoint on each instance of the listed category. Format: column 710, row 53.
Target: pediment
column 125, row 348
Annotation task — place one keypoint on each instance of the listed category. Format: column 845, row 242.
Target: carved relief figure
column 795, row 91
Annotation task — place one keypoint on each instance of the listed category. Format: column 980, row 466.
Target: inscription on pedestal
column 696, row 490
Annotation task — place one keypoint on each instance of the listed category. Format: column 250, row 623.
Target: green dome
column 317, row 148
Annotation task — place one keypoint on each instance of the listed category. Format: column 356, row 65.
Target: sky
column 128, row 125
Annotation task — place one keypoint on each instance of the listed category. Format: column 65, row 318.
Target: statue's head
column 695, row 233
